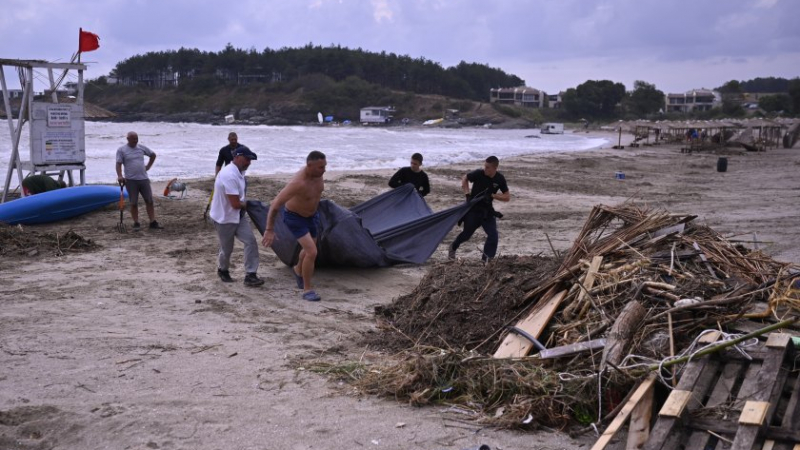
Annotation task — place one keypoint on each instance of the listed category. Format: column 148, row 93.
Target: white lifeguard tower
column 57, row 135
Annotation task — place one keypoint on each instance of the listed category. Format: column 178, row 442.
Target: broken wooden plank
column 515, row 346
column 720, row 394
column 639, row 427
column 676, row 403
column 766, row 381
column 698, row 372
column 585, row 287
column 777, row 340
column 791, row 418
column 641, row 391
column 591, row 274
column 754, row 413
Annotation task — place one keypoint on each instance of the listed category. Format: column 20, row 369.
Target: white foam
column 188, row 150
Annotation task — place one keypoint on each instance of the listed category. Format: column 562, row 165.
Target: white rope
column 635, row 361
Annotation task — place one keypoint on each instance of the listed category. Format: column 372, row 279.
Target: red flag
column 88, row 41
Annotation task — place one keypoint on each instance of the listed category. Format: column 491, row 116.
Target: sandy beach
column 138, row 345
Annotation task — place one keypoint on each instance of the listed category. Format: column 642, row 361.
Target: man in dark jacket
column 226, row 153
column 412, row 174
column 487, row 184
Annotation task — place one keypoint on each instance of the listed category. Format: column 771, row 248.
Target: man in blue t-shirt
column 487, row 185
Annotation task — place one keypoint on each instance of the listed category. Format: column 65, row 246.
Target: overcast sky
column 553, row 45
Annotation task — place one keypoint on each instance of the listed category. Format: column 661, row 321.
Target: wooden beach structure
column 709, row 135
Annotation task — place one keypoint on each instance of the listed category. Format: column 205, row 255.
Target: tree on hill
column 387, row 70
column 757, row 85
column 794, row 93
column 644, row 99
column 732, row 98
column 594, row 99
column 775, row 103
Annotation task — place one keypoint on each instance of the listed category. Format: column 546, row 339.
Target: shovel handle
column 121, row 195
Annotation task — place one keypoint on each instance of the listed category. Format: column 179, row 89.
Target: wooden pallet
column 724, row 401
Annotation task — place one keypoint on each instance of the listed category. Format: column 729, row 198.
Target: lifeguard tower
column 57, row 135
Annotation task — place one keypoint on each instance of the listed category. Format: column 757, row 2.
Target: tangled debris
column 636, row 286
column 20, row 241
column 442, row 310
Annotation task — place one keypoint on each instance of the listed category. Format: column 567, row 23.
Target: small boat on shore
column 60, row 204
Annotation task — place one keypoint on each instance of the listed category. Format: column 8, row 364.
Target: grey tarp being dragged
column 393, row 228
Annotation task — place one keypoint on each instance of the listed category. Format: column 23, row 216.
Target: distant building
column 519, row 96
column 377, row 114
column 554, row 101
column 694, row 100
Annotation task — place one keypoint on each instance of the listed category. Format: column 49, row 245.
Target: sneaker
column 154, row 225
column 311, row 296
column 137, row 226
column 225, row 276
column 252, row 280
column 451, row 253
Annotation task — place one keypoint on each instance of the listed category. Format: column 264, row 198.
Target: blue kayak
column 60, row 204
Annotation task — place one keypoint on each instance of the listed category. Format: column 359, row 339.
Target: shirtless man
column 300, row 200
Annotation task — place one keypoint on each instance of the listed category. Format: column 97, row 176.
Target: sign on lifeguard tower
column 57, row 134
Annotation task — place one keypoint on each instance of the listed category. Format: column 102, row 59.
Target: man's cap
column 246, row 152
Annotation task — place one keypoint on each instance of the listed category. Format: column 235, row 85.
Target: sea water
column 188, row 150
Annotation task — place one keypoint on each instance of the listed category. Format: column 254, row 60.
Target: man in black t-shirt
column 487, row 185
column 412, row 174
column 226, row 153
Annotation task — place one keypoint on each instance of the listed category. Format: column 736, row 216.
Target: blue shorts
column 299, row 225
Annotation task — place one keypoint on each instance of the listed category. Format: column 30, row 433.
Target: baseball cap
column 246, row 152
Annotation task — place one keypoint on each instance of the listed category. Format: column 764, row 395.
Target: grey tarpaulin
column 392, row 228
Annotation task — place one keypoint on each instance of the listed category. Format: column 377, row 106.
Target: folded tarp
column 393, row 228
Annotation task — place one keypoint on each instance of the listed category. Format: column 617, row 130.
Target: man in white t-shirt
column 228, row 208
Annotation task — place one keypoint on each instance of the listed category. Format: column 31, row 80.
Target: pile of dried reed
column 635, row 282
column 22, row 241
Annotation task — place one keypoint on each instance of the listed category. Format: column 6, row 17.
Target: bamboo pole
column 726, row 344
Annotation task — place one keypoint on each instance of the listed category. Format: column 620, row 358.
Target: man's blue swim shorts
column 300, row 225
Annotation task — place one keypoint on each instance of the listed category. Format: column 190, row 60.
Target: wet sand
column 138, row 345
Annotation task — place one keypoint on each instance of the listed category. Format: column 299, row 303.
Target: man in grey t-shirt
column 131, row 156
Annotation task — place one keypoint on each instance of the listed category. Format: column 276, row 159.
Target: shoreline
column 190, row 153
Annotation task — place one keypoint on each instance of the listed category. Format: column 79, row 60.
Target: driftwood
column 619, row 338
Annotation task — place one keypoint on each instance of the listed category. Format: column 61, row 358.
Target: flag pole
column 80, row 33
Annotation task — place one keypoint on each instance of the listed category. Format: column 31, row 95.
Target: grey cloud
column 681, row 36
